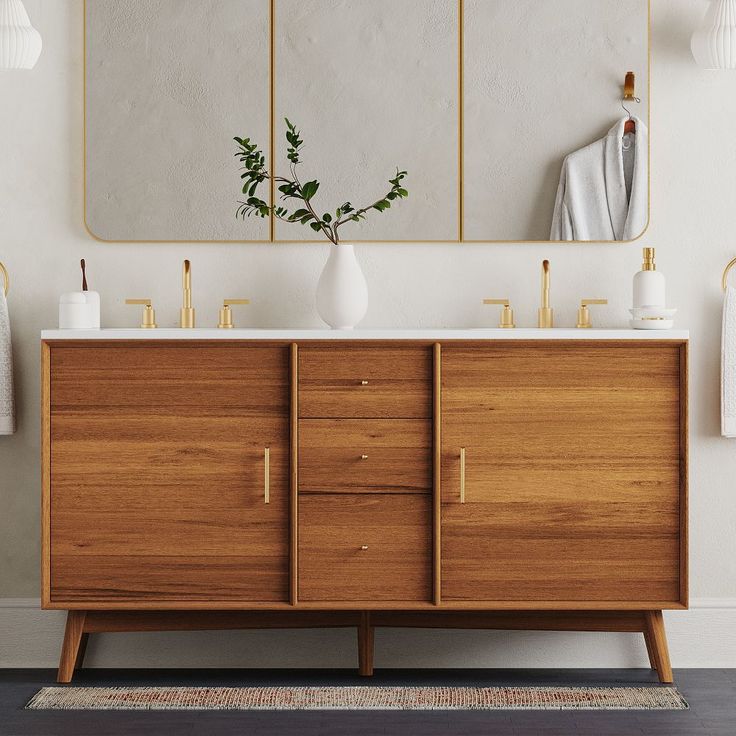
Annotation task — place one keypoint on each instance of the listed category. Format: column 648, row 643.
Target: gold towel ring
column 6, row 277
column 724, row 281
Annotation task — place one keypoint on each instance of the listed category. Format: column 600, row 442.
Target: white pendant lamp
column 714, row 41
column 20, row 42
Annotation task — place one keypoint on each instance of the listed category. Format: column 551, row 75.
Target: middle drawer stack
column 365, row 473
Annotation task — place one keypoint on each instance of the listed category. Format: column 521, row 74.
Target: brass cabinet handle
column 364, row 383
column 364, row 457
column 462, row 475
column 267, row 475
column 364, row 547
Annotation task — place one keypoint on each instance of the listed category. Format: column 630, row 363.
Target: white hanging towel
column 7, row 407
column 593, row 200
column 728, row 365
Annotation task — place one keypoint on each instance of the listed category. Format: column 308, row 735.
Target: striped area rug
column 358, row 698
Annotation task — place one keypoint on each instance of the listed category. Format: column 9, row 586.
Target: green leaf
column 402, row 192
column 309, row 189
column 316, row 227
column 327, row 218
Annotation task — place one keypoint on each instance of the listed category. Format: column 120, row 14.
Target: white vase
column 342, row 293
column 714, row 42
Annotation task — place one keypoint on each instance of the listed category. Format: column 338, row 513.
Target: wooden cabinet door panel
column 365, row 382
column 365, row 455
column 364, row 547
column 572, row 472
column 168, row 506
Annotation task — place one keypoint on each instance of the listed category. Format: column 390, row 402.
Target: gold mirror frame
column 461, row 150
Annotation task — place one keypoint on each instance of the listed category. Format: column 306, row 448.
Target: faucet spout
column 186, row 317
column 546, row 316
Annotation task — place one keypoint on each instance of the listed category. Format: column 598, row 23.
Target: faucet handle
column 226, row 314
column 148, row 320
column 507, row 314
column 584, row 312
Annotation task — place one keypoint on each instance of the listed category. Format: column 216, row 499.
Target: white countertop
column 166, row 333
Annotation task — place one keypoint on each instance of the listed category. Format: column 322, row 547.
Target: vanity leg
column 82, row 651
column 365, row 645
column 70, row 648
column 658, row 641
column 650, row 651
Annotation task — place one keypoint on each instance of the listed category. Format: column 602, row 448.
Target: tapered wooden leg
column 365, row 645
column 650, row 651
column 73, row 635
column 82, row 651
column 658, row 643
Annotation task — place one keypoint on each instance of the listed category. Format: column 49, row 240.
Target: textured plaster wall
column 42, row 238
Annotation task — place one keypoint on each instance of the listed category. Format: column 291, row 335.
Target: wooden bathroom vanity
column 489, row 479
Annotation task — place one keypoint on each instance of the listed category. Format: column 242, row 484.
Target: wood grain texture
column 45, row 475
column 572, row 472
column 365, row 455
column 684, row 474
column 396, row 531
column 399, row 382
column 168, row 507
column 293, row 474
column 437, row 474
column 250, row 378
column 658, row 642
column 366, row 645
column 73, row 634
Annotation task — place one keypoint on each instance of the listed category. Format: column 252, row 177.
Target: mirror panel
column 541, row 80
column 372, row 85
column 168, row 85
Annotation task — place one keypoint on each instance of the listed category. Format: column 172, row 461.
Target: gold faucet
column 186, row 318
column 546, row 317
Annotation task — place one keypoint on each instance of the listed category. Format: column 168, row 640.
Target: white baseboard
column 704, row 636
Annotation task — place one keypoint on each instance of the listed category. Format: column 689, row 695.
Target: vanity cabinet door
column 161, row 502
column 572, row 490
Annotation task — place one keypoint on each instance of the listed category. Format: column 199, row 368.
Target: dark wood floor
column 711, row 694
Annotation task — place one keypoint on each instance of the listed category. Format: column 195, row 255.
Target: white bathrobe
column 592, row 202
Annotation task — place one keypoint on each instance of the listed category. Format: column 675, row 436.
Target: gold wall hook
column 584, row 312
column 226, row 314
column 507, row 314
column 148, row 321
column 6, row 278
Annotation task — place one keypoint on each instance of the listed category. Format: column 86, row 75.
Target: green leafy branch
column 291, row 188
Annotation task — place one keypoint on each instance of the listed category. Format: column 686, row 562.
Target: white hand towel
column 7, row 407
column 728, row 365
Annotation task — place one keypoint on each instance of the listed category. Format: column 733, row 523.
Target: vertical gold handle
column 267, row 475
column 462, row 475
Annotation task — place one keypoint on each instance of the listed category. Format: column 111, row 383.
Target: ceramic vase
column 342, row 292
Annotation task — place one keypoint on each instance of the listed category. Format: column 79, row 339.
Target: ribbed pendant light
column 20, row 42
column 714, row 42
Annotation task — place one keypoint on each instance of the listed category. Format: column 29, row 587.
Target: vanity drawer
column 365, row 548
column 245, row 378
column 369, row 382
column 365, row 455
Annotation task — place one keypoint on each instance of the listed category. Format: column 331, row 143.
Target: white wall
column 693, row 218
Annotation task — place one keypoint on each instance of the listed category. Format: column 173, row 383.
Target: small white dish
column 656, row 323
column 652, row 313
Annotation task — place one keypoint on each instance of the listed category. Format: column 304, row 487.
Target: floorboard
column 711, row 694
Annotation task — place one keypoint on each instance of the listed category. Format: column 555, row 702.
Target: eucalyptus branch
column 254, row 174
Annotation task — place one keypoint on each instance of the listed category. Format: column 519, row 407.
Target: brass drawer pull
column 462, row 475
column 364, row 547
column 364, row 383
column 364, row 457
column 267, row 475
